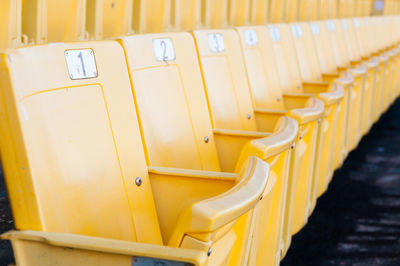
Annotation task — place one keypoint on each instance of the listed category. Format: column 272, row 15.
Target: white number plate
column 216, row 42
column 81, row 64
column 164, row 49
column 275, row 33
column 315, row 28
column 331, row 26
column 297, row 31
column 251, row 37
column 344, row 25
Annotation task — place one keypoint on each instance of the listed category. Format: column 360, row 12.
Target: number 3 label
column 164, row 49
column 81, row 64
column 216, row 42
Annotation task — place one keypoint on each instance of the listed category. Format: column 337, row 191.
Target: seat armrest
column 70, row 248
column 211, row 214
column 312, row 110
column 328, row 93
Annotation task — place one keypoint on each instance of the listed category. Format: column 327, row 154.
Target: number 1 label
column 81, row 64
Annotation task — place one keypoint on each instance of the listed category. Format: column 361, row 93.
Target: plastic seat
column 76, row 170
column 335, row 65
column 259, row 12
column 173, row 109
column 363, row 8
column 292, row 11
column 231, row 106
column 293, row 80
column 360, row 50
column 269, row 97
column 109, row 18
column 10, row 25
column 53, row 20
column 151, row 16
column 308, row 10
column 215, row 13
column 276, row 11
column 185, row 14
column 317, row 63
column 238, row 12
column 346, row 8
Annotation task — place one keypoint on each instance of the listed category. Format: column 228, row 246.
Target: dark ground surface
column 357, row 222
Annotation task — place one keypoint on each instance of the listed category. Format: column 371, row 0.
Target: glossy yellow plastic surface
column 301, row 77
column 53, row 20
column 308, row 10
column 346, row 8
column 238, row 12
column 175, row 120
column 75, row 143
column 259, row 12
column 186, row 14
column 277, row 11
column 231, row 107
column 151, row 16
column 214, row 13
column 109, row 18
column 268, row 96
column 10, row 24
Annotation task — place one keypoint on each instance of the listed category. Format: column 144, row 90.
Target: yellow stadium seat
column 151, row 16
column 178, row 132
column 10, row 24
column 332, row 9
column 53, row 20
column 108, row 18
column 238, row 12
column 334, row 62
column 185, row 14
column 324, row 57
column 231, row 107
column 363, row 8
column 291, row 11
column 76, row 172
column 259, row 12
column 268, row 96
column 358, row 37
column 276, row 10
column 308, row 10
column 214, row 13
column 295, row 47
column 346, row 8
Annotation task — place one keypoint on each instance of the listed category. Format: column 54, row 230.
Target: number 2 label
column 164, row 49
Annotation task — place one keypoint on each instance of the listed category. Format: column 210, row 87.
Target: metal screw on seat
column 209, row 252
column 138, row 181
column 248, row 116
column 206, row 139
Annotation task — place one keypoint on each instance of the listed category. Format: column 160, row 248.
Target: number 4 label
column 81, row 64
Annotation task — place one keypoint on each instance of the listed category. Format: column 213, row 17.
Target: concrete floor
column 357, row 222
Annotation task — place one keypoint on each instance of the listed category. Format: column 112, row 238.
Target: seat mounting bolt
column 138, row 181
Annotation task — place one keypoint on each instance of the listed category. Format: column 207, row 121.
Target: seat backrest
column 306, row 52
column 73, row 150
column 276, row 10
column 338, row 41
column 170, row 101
column 309, row 10
column 225, row 79
column 43, row 22
column 185, row 14
column 10, row 23
column 332, row 9
column 351, row 33
column 214, row 13
column 286, row 57
column 346, row 8
column 291, row 11
column 259, row 12
column 261, row 67
column 151, row 15
column 326, row 48
column 109, row 18
column 238, row 12
column 364, row 7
